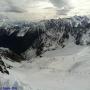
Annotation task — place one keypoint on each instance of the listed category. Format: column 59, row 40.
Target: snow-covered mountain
column 30, row 39
column 63, row 49
column 24, row 38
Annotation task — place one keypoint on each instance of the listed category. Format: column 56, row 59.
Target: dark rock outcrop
column 3, row 68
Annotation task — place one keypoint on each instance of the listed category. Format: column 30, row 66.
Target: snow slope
column 62, row 69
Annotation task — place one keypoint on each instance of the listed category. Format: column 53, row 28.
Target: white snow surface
column 61, row 69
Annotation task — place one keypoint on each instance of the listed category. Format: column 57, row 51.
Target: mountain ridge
column 38, row 37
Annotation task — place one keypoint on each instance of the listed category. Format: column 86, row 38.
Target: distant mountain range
column 30, row 39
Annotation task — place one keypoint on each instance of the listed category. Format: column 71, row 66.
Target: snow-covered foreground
column 62, row 69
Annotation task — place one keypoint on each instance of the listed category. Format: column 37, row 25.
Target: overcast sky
column 43, row 9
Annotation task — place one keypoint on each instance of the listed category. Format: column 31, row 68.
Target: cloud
column 59, row 3
column 63, row 11
column 18, row 6
column 10, row 6
column 13, row 8
column 37, row 8
column 62, row 6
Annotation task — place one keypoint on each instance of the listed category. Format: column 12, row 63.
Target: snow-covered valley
column 56, row 70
